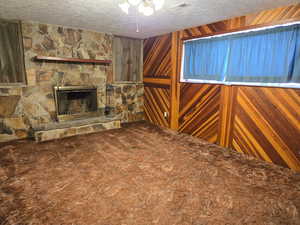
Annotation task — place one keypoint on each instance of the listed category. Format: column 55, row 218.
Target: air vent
column 182, row 5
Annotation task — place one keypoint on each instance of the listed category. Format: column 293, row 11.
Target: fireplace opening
column 74, row 102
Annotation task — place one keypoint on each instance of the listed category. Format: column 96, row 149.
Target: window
column 11, row 53
column 268, row 57
column 127, row 59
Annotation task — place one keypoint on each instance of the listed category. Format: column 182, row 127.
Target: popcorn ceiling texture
column 23, row 109
column 106, row 16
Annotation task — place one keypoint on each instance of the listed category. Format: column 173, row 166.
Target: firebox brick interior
column 139, row 112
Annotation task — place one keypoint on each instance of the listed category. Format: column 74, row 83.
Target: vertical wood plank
column 175, row 88
column 227, row 104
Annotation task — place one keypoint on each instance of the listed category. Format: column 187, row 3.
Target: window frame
column 22, row 58
column 228, row 83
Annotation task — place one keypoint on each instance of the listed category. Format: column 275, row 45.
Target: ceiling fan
column 146, row 7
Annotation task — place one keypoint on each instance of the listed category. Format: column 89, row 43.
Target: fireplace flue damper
column 74, row 102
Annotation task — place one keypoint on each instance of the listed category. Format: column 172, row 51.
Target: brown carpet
column 141, row 175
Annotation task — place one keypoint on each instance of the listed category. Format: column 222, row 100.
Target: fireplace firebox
column 74, row 102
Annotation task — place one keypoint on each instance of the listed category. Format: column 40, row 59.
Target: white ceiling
column 106, row 16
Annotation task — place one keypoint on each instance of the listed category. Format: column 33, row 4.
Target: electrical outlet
column 166, row 114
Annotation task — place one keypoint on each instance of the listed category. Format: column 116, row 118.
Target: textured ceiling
column 105, row 15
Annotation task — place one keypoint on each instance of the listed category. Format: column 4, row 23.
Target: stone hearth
column 76, row 127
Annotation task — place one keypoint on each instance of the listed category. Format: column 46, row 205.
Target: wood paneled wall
column 199, row 111
column 267, row 124
column 157, row 79
column 157, row 101
column 157, row 57
column 260, row 121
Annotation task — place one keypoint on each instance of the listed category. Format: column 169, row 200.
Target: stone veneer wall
column 24, row 108
column 127, row 100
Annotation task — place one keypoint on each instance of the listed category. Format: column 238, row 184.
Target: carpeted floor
column 141, row 175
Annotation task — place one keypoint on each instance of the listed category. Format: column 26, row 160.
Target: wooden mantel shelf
column 71, row 60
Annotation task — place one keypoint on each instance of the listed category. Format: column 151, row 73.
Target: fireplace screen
column 75, row 102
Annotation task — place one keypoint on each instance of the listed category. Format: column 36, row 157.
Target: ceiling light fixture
column 158, row 4
column 146, row 7
column 134, row 2
column 124, row 6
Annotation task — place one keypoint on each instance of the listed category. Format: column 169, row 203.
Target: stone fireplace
column 31, row 110
column 74, row 102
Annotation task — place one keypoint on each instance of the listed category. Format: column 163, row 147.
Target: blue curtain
column 205, row 59
column 263, row 56
column 266, row 56
column 295, row 76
